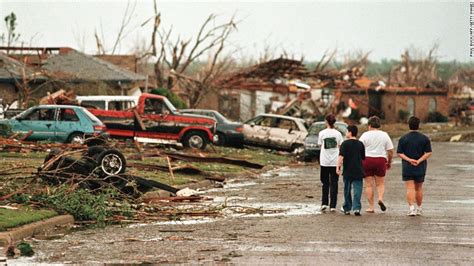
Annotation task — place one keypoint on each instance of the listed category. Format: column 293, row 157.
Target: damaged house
column 68, row 69
column 264, row 88
column 16, row 78
column 395, row 104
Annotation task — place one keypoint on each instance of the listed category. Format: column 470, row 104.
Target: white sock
column 412, row 207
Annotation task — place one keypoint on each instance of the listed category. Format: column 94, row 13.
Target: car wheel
column 76, row 138
column 111, row 162
column 195, row 140
column 221, row 141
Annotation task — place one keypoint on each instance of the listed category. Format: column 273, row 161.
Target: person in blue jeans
column 351, row 154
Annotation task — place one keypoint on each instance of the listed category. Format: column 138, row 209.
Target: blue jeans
column 352, row 203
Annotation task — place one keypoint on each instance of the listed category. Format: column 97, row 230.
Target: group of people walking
column 366, row 160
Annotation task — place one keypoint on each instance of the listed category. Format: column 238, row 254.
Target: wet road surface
column 285, row 225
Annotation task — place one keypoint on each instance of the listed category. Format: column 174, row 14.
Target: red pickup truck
column 155, row 117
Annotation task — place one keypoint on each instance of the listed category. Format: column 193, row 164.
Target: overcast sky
column 300, row 27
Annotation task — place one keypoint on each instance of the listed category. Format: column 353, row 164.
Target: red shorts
column 375, row 166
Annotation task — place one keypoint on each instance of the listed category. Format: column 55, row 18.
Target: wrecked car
column 98, row 168
column 62, row 123
column 311, row 146
column 228, row 133
column 275, row 131
column 155, row 118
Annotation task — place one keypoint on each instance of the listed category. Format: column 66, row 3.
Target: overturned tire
column 51, row 155
column 111, row 162
column 95, row 151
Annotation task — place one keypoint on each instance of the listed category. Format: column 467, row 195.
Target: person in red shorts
column 378, row 158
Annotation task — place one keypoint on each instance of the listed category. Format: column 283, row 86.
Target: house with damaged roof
column 51, row 69
column 15, row 77
column 265, row 87
column 395, row 103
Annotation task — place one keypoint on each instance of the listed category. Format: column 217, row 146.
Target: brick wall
column 392, row 103
column 421, row 108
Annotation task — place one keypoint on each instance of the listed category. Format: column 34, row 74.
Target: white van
column 108, row 102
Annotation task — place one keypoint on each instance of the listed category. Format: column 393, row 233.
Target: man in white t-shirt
column 378, row 159
column 329, row 139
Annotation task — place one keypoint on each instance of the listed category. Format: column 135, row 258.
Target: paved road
column 444, row 235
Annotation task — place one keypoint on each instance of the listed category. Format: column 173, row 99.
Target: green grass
column 29, row 155
column 14, row 218
column 23, row 165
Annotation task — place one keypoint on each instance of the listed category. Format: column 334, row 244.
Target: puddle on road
column 275, row 210
column 465, row 201
column 465, row 167
column 238, row 208
column 303, row 247
column 181, row 222
column 281, row 172
column 239, row 185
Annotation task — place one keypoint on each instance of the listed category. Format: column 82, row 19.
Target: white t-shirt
column 376, row 143
column 329, row 139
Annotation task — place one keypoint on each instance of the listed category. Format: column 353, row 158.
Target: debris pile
column 339, row 79
column 278, row 74
column 19, row 145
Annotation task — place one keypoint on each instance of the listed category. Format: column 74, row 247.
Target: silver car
column 275, row 131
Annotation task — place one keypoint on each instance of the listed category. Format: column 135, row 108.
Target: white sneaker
column 412, row 211
column 419, row 211
column 324, row 208
column 332, row 210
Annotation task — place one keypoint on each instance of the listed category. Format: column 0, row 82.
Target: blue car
column 62, row 123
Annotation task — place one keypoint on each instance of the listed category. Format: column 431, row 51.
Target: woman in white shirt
column 378, row 159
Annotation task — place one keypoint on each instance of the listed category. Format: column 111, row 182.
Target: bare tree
column 175, row 55
column 358, row 59
column 416, row 69
column 29, row 81
column 124, row 30
column 325, row 60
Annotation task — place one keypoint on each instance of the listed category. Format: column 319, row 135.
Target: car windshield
column 92, row 117
column 317, row 127
column 24, row 113
column 170, row 106
column 221, row 118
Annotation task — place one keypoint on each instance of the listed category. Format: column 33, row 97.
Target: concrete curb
column 32, row 229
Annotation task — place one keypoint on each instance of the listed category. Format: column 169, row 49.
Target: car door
column 158, row 120
column 284, row 134
column 40, row 120
column 256, row 131
column 67, row 122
